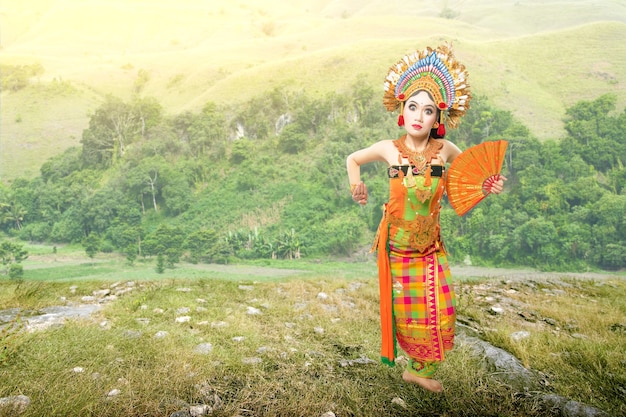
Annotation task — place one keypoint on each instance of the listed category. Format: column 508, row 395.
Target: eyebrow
column 425, row 105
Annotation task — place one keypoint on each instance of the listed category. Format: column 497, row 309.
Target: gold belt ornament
column 423, row 232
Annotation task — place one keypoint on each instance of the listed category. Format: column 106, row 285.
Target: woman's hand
column 494, row 184
column 359, row 193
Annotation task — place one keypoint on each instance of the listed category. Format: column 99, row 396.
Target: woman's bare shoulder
column 449, row 151
column 383, row 150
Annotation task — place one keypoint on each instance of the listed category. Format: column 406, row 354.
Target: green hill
column 185, row 53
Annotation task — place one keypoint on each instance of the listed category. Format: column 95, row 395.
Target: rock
column 114, row 392
column 122, row 291
column 101, row 293
column 246, row 287
column 200, row 410
column 78, row 370
column 570, row 408
column 17, row 404
column 203, row 348
column 328, row 414
column 251, row 361
column 300, row 306
column 505, row 366
column 161, row 334
column 182, row 413
column 527, row 316
column 253, row 311
column 521, row 335
column 183, row 319
column 57, row 315
column 399, row 401
column 496, row 310
column 363, row 360
column 322, row 296
column 183, row 310
column 238, row 339
column 329, row 308
column 132, row 334
column 550, row 321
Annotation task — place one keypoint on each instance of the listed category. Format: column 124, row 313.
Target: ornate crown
column 435, row 71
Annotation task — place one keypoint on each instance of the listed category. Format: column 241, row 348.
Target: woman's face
column 420, row 114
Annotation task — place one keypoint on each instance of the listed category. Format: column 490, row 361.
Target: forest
column 267, row 179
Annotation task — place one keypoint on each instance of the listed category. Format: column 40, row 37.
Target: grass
column 577, row 331
column 288, row 360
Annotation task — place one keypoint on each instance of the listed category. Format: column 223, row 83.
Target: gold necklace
column 419, row 159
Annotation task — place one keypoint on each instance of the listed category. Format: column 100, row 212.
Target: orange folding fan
column 472, row 172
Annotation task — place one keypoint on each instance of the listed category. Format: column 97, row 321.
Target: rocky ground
column 494, row 296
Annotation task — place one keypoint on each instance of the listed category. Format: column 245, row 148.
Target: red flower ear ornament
column 441, row 130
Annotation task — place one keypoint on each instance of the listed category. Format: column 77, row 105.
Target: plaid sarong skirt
column 423, row 303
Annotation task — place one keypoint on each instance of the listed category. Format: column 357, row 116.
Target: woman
column 429, row 88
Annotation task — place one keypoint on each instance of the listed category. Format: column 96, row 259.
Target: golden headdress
column 435, row 71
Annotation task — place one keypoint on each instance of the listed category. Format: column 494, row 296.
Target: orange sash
column 388, row 348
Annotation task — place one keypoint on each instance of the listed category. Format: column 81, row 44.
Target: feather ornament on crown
column 435, row 71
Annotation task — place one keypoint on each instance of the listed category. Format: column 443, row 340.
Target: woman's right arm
column 376, row 152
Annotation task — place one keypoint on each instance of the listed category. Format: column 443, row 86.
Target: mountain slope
column 519, row 55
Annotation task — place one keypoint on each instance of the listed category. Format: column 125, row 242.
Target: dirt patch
column 521, row 274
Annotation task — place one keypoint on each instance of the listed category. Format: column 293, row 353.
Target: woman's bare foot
column 426, row 383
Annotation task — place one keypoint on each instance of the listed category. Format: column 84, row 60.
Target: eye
column 412, row 107
column 429, row 111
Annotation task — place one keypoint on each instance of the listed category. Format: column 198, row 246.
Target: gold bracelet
column 353, row 187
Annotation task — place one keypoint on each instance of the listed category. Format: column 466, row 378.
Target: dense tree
column 11, row 254
column 206, row 132
column 266, row 178
column 166, row 241
column 202, row 245
column 92, row 245
column 62, row 165
column 114, row 126
column 596, row 133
